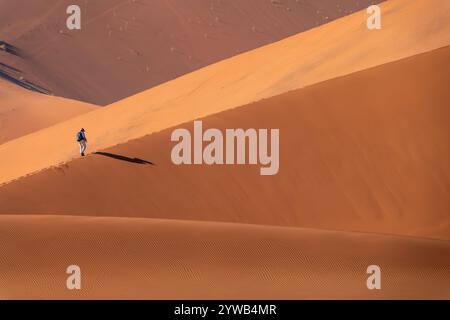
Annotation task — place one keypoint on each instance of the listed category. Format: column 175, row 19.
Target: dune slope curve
column 126, row 46
column 335, row 49
column 367, row 152
column 23, row 111
column 123, row 258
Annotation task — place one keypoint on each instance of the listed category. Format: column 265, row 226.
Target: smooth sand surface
column 363, row 180
column 23, row 111
column 127, row 258
column 335, row 49
column 367, row 152
column 127, row 46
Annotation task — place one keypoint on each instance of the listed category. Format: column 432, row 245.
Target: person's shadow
column 123, row 158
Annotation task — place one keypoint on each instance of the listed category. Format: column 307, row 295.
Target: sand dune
column 333, row 50
column 140, row 44
column 23, row 111
column 364, row 140
column 358, row 153
column 158, row 259
column 346, row 45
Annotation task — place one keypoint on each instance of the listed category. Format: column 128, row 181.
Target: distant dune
column 23, row 111
column 364, row 176
column 128, row 46
column 335, row 49
column 123, row 258
column 367, row 152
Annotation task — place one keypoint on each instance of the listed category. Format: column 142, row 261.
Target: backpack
column 79, row 136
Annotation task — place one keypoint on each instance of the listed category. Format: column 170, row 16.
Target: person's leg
column 82, row 147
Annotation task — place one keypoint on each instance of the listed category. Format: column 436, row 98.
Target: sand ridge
column 363, row 179
column 409, row 28
column 379, row 160
column 140, row 44
column 23, row 111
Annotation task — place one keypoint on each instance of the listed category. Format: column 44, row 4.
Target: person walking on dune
column 81, row 138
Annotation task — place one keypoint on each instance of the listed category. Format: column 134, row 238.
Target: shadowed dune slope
column 367, row 152
column 127, row 46
column 23, row 111
column 126, row 258
column 335, row 49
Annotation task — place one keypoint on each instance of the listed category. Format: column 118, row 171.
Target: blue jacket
column 81, row 136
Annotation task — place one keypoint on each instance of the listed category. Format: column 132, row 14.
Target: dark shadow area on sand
column 9, row 48
column 5, row 66
column 123, row 158
column 22, row 82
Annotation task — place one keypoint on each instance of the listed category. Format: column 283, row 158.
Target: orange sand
column 23, row 111
column 123, row 258
column 368, row 152
column 126, row 46
column 335, row 49
column 364, row 176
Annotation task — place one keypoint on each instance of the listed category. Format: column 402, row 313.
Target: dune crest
column 351, row 159
column 140, row 44
column 335, row 49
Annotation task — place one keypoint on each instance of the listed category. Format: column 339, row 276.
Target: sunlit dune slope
column 366, row 152
column 123, row 258
column 126, row 46
column 335, row 49
column 23, row 111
